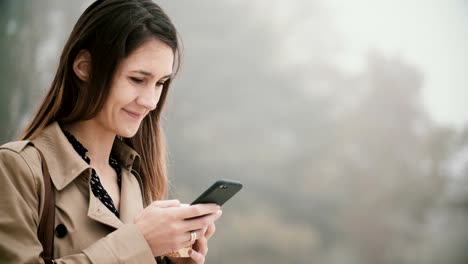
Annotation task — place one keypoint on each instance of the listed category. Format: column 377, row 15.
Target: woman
column 99, row 132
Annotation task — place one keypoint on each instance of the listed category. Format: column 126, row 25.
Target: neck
column 95, row 138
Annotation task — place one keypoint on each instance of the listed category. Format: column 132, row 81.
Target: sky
column 429, row 34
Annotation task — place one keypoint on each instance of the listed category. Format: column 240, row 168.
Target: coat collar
column 63, row 161
column 131, row 204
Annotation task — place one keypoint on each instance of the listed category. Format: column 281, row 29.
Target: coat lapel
column 131, row 203
column 99, row 212
column 65, row 166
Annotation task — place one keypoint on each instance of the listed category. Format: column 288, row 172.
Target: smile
column 134, row 115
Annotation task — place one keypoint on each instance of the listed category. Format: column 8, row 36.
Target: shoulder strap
column 45, row 232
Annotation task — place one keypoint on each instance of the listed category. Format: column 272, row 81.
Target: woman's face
column 136, row 88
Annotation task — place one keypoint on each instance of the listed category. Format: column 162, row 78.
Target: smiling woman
column 97, row 135
column 136, row 88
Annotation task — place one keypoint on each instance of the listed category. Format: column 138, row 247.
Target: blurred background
column 346, row 121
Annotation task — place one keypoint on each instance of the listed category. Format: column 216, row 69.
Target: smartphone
column 219, row 193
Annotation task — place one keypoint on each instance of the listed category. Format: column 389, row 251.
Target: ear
column 82, row 65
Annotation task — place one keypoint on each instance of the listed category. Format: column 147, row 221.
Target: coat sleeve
column 20, row 195
column 19, row 204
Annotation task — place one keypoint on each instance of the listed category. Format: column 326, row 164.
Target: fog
column 345, row 121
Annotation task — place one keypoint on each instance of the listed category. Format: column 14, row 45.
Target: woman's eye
column 136, row 80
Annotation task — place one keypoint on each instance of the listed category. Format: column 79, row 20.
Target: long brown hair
column 110, row 30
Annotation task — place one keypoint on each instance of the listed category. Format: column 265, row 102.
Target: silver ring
column 193, row 236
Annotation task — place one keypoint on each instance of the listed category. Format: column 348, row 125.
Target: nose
column 149, row 98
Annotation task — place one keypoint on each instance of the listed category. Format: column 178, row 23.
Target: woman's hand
column 166, row 225
column 199, row 249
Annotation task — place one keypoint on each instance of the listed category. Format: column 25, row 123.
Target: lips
column 133, row 114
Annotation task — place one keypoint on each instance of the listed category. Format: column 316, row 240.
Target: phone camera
column 224, row 186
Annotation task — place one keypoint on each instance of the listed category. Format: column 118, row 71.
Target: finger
column 198, row 223
column 201, row 246
column 201, row 222
column 197, row 257
column 204, row 230
column 210, row 231
column 166, row 203
column 219, row 213
column 198, row 210
column 188, row 237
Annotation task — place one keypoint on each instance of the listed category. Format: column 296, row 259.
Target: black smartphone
column 219, row 193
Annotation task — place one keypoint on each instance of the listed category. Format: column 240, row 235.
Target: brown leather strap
column 45, row 232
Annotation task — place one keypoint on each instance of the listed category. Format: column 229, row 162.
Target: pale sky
column 429, row 34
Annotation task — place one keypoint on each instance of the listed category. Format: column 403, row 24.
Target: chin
column 127, row 132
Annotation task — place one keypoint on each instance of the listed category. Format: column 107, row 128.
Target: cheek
column 106, row 116
column 119, row 96
column 159, row 95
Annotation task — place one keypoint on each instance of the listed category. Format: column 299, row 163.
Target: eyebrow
column 150, row 74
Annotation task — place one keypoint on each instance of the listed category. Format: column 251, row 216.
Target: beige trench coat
column 92, row 233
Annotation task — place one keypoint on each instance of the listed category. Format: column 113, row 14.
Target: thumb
column 166, row 203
